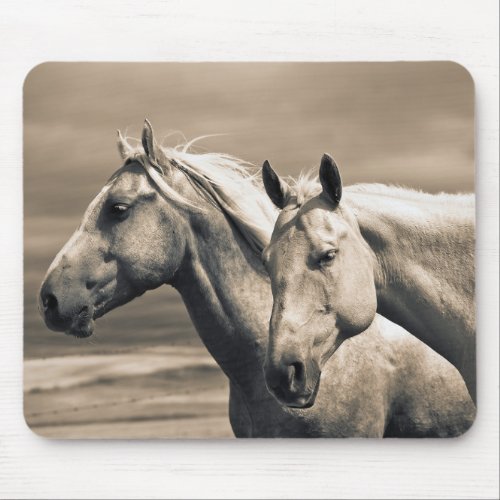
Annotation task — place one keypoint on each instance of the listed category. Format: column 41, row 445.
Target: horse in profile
column 199, row 223
column 337, row 256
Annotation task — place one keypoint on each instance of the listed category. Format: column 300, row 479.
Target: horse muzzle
column 293, row 384
column 65, row 313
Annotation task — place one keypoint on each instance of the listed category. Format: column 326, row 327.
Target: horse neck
column 422, row 248
column 228, row 297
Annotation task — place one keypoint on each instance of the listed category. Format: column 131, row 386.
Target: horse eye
column 263, row 259
column 327, row 257
column 119, row 209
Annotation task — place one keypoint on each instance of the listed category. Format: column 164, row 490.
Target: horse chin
column 306, row 401
column 297, row 400
column 83, row 323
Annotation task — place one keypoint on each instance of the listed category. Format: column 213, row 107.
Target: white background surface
column 32, row 32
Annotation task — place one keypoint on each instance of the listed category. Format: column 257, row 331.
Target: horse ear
column 276, row 188
column 123, row 145
column 148, row 142
column 329, row 177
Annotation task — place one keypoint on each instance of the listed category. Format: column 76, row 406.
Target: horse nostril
column 273, row 378
column 90, row 284
column 296, row 372
column 50, row 302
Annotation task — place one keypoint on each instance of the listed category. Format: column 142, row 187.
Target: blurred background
column 145, row 373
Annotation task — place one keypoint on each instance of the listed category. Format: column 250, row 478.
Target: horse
column 199, row 222
column 338, row 256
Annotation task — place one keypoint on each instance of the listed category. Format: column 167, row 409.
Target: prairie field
column 145, row 373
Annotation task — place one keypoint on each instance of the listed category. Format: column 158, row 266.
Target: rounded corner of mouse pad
column 148, row 310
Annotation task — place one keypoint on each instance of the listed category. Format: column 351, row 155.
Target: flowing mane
column 231, row 184
column 307, row 186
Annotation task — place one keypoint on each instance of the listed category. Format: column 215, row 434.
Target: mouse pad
column 219, row 250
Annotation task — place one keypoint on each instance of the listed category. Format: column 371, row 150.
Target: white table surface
column 73, row 30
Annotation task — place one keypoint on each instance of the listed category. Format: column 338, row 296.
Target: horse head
column 129, row 241
column 322, row 281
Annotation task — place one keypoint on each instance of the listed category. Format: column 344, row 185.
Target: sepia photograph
column 221, row 250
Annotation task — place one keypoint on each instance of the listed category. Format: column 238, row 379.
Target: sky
column 410, row 124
